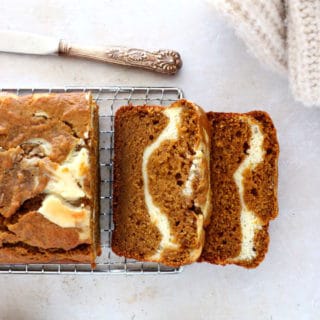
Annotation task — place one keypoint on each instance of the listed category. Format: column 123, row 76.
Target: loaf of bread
column 49, row 178
column 244, row 156
column 161, row 198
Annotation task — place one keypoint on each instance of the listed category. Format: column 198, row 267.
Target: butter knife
column 163, row 61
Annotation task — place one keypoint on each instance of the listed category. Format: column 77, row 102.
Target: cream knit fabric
column 283, row 34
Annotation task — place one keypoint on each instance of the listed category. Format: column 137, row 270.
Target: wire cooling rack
column 109, row 100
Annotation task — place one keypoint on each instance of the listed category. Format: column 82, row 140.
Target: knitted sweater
column 283, row 34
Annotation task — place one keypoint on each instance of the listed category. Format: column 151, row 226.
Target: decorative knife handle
column 163, row 61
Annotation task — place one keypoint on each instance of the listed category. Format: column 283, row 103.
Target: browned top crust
column 58, row 118
column 38, row 135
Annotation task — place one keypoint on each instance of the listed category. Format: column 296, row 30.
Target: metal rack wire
column 109, row 100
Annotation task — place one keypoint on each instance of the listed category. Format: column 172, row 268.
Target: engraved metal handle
column 163, row 61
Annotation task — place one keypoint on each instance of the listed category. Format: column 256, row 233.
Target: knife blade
column 163, row 61
column 27, row 43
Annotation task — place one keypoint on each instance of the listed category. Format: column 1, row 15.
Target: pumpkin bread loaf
column 49, row 178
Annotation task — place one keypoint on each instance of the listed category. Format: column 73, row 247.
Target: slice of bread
column 161, row 197
column 244, row 156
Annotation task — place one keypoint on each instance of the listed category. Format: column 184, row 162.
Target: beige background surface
column 218, row 74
